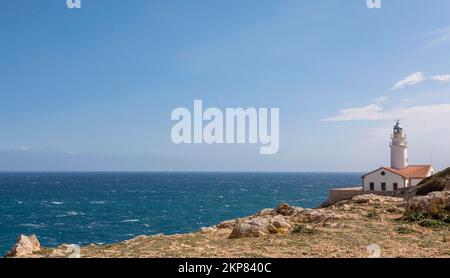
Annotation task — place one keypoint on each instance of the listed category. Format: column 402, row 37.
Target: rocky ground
column 367, row 225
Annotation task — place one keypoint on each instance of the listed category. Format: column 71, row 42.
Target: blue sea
column 85, row 208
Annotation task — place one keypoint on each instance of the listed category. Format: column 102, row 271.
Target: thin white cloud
column 441, row 78
column 437, row 37
column 381, row 100
column 372, row 112
column 24, row 148
column 410, row 80
column 430, row 41
column 424, row 117
column 410, row 100
column 369, row 112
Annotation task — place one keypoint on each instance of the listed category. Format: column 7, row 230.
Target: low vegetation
column 304, row 229
column 345, row 229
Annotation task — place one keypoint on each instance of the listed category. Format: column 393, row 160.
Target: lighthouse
column 399, row 146
column 400, row 174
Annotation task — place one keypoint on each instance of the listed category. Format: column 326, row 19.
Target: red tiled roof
column 412, row 171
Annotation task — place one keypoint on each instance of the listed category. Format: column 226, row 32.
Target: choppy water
column 85, row 208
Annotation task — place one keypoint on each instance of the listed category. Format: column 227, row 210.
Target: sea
column 102, row 208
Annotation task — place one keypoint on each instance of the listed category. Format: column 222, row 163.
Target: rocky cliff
column 394, row 227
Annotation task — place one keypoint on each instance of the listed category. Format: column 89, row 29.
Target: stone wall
column 340, row 194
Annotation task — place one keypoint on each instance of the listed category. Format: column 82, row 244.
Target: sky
column 93, row 89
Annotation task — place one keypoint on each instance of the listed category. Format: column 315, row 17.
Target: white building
column 400, row 174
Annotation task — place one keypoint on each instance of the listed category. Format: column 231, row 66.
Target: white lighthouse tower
column 400, row 174
column 399, row 145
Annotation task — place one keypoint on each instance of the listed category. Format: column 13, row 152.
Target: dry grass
column 363, row 224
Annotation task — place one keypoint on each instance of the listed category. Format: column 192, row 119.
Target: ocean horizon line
column 179, row 172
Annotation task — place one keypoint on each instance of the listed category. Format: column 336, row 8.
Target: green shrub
column 435, row 210
column 404, row 230
column 304, row 229
column 393, row 210
column 373, row 215
column 415, row 217
column 431, row 223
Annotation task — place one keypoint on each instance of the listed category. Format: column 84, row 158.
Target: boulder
column 287, row 210
column 315, row 215
column 205, row 230
column 433, row 204
column 67, row 251
column 276, row 221
column 254, row 227
column 266, row 211
column 24, row 246
column 228, row 224
column 260, row 226
column 279, row 225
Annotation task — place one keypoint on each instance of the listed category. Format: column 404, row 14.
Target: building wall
column 389, row 178
column 415, row 182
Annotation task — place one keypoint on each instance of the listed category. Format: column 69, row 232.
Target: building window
column 383, row 173
column 395, row 186
column 372, row 186
column 383, row 186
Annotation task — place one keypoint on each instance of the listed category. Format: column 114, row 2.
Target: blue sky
column 93, row 88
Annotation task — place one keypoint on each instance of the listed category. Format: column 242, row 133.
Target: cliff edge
column 393, row 227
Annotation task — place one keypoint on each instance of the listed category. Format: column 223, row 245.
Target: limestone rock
column 228, row 224
column 315, row 215
column 205, row 230
column 276, row 221
column 370, row 199
column 287, row 210
column 254, row 227
column 57, row 253
column 66, row 251
column 266, row 211
column 24, row 246
column 432, row 204
column 260, row 226
column 279, row 225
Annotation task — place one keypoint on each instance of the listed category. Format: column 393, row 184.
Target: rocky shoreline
column 419, row 227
